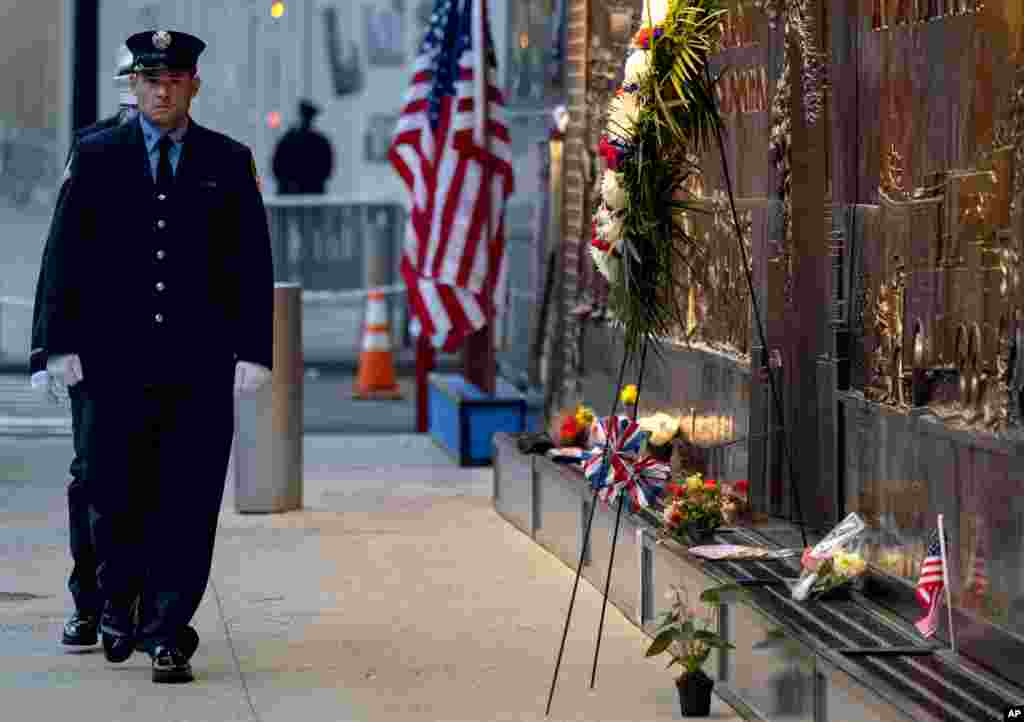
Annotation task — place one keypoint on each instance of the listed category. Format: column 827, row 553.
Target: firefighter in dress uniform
column 81, row 628
column 159, row 302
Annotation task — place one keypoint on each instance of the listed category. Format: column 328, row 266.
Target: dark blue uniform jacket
column 158, row 290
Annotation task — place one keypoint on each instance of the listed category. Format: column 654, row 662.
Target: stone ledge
column 812, row 678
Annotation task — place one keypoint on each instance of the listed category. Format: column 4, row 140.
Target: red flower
column 709, row 484
column 643, row 37
column 609, row 152
column 742, row 487
column 675, row 490
column 569, row 429
column 596, row 241
column 809, row 561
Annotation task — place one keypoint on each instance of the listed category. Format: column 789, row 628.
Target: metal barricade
column 336, row 248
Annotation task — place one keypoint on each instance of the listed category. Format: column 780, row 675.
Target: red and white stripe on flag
column 930, row 584
column 453, row 260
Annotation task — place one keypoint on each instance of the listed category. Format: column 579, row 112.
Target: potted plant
column 688, row 636
column 693, row 509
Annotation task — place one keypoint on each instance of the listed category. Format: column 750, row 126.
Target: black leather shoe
column 187, row 642
column 170, row 666
column 117, row 627
column 80, row 630
column 117, row 648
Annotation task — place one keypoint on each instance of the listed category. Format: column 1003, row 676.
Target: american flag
column 454, row 270
column 929, row 586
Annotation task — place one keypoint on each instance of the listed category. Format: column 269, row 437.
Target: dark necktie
column 164, row 171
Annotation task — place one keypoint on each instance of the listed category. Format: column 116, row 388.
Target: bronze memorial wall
column 928, row 182
column 876, row 153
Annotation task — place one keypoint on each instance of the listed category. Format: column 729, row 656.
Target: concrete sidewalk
column 395, row 594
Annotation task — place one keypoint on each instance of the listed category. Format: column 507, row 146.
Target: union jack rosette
column 614, row 465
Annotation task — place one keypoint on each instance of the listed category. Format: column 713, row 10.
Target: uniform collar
column 151, row 133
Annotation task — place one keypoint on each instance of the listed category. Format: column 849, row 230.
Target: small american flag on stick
column 930, row 584
column 455, row 162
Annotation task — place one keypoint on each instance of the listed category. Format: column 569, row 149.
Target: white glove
column 250, row 377
column 40, row 381
column 66, row 369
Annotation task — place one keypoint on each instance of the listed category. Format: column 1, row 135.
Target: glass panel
column 774, row 676
column 847, row 700
column 534, row 41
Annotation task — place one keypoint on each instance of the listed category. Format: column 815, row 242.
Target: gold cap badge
column 162, row 40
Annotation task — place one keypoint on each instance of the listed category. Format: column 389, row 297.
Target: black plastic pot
column 695, row 694
column 699, row 533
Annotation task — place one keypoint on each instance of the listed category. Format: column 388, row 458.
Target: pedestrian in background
column 159, row 300
column 81, row 628
column 303, row 159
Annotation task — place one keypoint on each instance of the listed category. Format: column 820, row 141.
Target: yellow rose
column 841, row 563
column 584, row 416
column 694, row 483
column 628, row 395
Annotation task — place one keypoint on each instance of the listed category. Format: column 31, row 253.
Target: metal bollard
column 268, row 424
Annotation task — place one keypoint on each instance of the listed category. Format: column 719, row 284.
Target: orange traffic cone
column 376, row 379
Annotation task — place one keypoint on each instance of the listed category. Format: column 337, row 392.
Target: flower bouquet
column 834, row 572
column 571, row 427
column 693, row 510
column 662, row 428
column 834, row 562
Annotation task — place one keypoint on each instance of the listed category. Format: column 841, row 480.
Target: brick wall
column 576, row 158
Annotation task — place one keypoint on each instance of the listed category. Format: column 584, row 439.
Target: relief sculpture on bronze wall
column 954, row 284
column 718, row 306
column 888, row 312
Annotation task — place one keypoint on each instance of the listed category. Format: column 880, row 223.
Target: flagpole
column 478, row 351
column 945, row 579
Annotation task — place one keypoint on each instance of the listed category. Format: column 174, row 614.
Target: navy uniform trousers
column 160, row 293
column 158, row 459
column 82, row 580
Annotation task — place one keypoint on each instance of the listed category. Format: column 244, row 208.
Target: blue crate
column 463, row 418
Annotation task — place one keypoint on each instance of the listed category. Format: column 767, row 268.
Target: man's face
column 165, row 96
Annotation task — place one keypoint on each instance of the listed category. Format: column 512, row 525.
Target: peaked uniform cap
column 125, row 60
column 164, row 50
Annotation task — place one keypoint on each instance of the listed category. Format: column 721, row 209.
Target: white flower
column 661, row 426
column 655, row 12
column 613, row 233
column 622, row 114
column 637, row 66
column 612, row 191
column 602, row 217
column 600, row 260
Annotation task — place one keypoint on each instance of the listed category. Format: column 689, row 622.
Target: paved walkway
column 395, row 594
